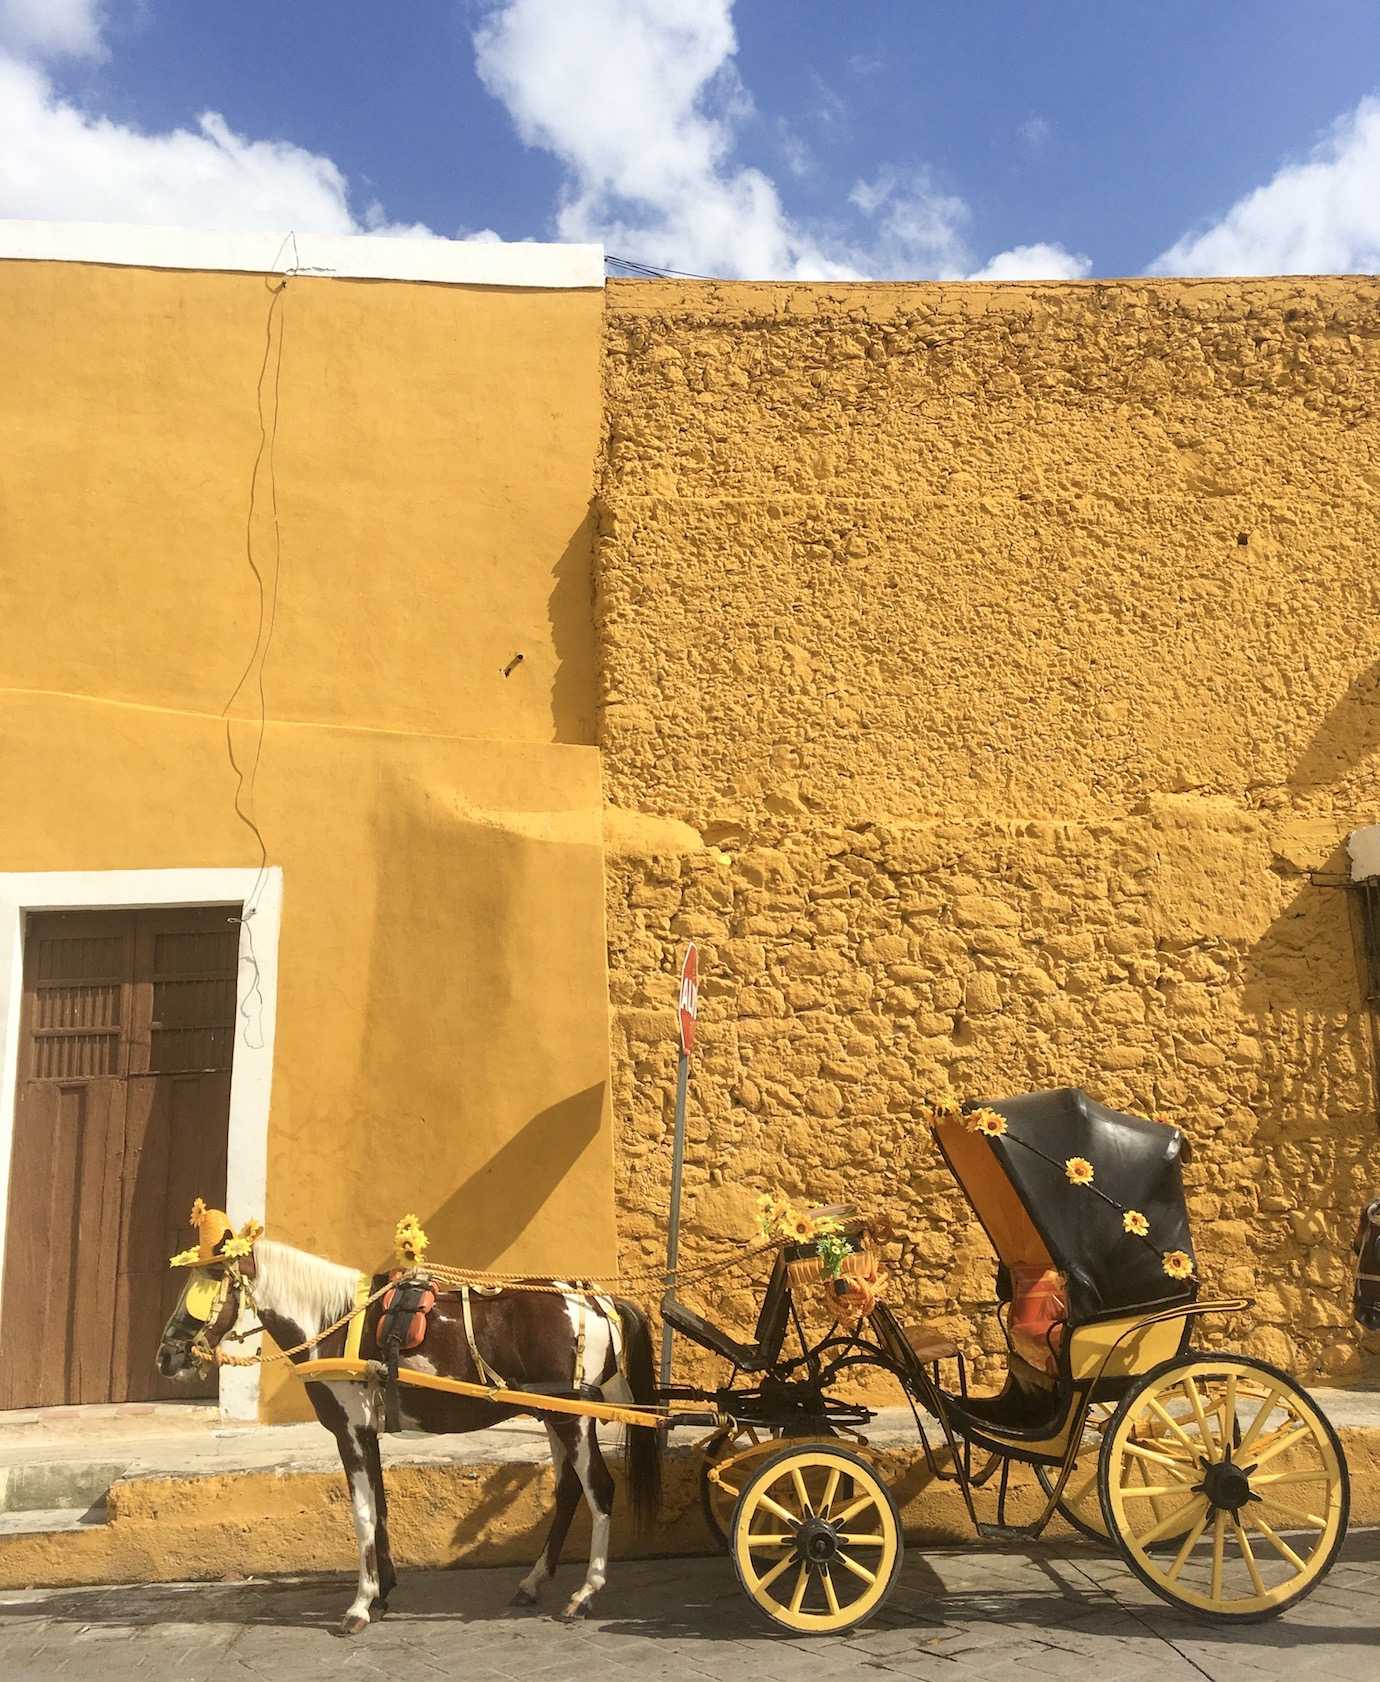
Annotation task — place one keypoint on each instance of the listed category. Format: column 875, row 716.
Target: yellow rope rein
column 584, row 1286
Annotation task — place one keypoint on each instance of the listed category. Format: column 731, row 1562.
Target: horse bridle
column 211, row 1302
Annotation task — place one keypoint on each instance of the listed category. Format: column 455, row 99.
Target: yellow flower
column 1079, row 1171
column 233, row 1247
column 198, row 1210
column 409, row 1241
column 942, row 1110
column 766, row 1201
column 1135, row 1222
column 1178, row 1265
column 829, row 1225
column 185, row 1258
column 989, row 1122
column 797, row 1226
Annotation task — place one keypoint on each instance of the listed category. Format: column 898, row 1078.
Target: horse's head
column 206, row 1310
column 219, row 1264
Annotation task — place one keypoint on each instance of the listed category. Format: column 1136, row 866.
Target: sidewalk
column 129, row 1494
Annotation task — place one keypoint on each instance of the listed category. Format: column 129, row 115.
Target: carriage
column 1215, row 1476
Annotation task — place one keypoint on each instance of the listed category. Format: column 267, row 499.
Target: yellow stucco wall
column 442, row 1011
column 985, row 671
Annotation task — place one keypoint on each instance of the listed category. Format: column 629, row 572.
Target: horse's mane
column 304, row 1288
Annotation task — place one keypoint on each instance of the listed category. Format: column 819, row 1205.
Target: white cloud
column 52, row 28
column 1321, row 216
column 866, row 64
column 1035, row 262
column 641, row 102
column 60, row 163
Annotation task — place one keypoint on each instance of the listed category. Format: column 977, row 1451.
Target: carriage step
column 48, row 1521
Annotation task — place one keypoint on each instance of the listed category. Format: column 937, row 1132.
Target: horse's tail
column 641, row 1445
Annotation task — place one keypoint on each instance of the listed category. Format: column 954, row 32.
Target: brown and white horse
column 531, row 1338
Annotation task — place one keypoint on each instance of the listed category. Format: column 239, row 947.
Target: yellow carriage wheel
column 816, row 1539
column 1080, row 1504
column 744, row 1445
column 1250, row 1496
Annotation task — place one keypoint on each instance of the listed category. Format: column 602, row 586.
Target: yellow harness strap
column 487, row 1374
column 355, row 1330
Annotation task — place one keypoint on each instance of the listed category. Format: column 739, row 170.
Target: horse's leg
column 597, row 1483
column 387, row 1577
column 562, row 1440
column 353, row 1433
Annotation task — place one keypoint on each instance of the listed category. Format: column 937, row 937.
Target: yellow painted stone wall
column 990, row 678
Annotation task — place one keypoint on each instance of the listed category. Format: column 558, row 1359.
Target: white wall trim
column 251, row 1078
column 446, row 262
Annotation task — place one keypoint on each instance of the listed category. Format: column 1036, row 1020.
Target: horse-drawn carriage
column 1215, row 1476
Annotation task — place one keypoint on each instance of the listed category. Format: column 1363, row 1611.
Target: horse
column 532, row 1338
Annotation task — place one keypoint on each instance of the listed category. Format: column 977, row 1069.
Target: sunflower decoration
column 1135, row 1223
column 243, row 1242
column 198, row 1210
column 410, row 1243
column 988, row 1122
column 185, row 1258
column 1178, row 1264
column 797, row 1226
column 1078, row 1171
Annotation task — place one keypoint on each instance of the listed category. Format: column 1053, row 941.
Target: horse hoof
column 575, row 1610
column 354, row 1623
column 379, row 1609
column 523, row 1597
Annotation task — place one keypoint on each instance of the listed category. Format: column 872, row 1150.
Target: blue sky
column 1017, row 138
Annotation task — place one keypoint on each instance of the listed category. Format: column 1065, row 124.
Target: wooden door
column 121, row 1117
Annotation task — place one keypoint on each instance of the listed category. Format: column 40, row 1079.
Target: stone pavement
column 956, row 1615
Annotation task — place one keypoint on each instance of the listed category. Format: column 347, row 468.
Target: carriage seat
column 765, row 1349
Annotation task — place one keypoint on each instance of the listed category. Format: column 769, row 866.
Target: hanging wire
column 252, row 1005
column 654, row 273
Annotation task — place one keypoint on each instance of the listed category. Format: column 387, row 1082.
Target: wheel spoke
column 1267, row 1407
column 1190, row 1389
column 765, row 1582
column 768, row 1539
column 1279, row 1444
column 829, row 1592
column 852, row 1511
column 778, row 1511
column 1190, row 1542
column 801, row 1493
column 1280, row 1546
column 1273, row 1480
column 856, row 1541
column 1257, row 1581
column 1156, row 1406
column 853, row 1566
column 1294, row 1513
column 1153, row 1489
column 1170, row 1462
column 831, row 1489
column 1219, row 1537
column 1228, row 1409
column 1162, row 1529
column 801, row 1583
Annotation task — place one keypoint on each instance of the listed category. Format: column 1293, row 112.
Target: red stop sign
column 689, row 1004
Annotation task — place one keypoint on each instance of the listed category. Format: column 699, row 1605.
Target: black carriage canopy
column 1036, row 1217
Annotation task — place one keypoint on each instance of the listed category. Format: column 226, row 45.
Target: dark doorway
column 122, row 1111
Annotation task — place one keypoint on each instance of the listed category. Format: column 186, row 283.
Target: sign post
column 687, row 1009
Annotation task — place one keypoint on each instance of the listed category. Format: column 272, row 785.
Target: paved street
column 956, row 1614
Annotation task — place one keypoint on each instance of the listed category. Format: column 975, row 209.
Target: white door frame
column 251, row 1077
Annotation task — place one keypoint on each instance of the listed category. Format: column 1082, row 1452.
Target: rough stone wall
column 990, row 678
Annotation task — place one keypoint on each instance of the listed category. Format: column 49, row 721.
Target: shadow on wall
column 499, row 1201
column 571, row 612
column 485, row 1059
column 1348, row 733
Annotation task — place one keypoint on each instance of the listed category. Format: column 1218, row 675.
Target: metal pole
column 673, row 1236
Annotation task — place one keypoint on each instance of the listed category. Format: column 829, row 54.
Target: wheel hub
column 1226, row 1485
column 816, row 1541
